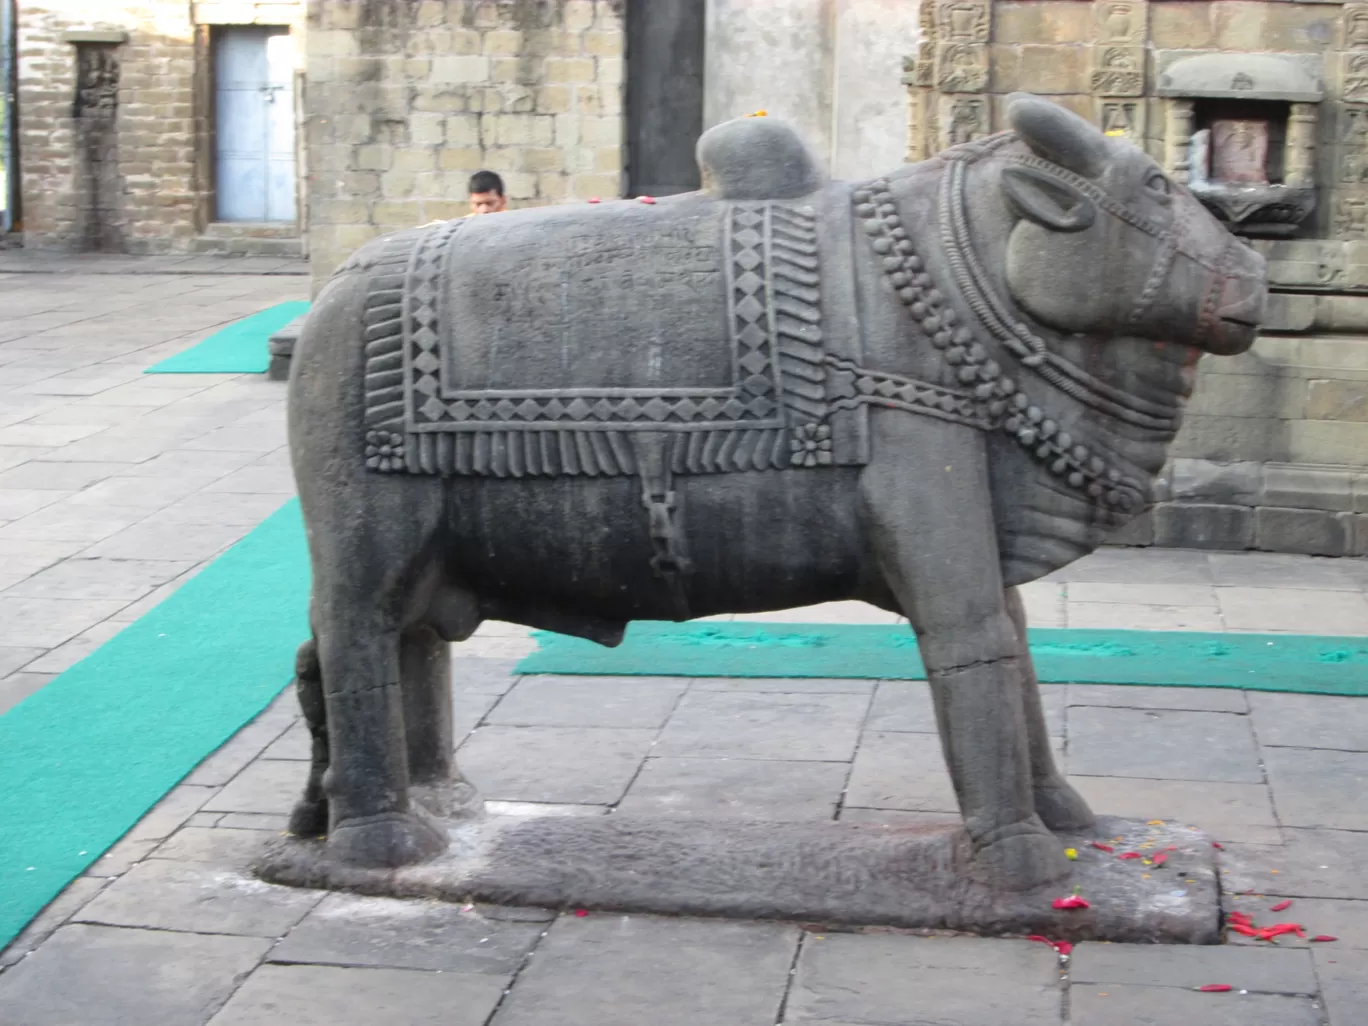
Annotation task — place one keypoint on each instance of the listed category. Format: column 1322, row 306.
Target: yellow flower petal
column 1071, row 853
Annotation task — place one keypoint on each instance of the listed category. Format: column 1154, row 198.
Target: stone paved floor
column 115, row 487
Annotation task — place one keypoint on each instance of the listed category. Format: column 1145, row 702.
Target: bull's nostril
column 1242, row 302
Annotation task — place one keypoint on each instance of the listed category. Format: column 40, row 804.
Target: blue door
column 255, row 124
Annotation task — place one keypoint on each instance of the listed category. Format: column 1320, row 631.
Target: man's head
column 487, row 193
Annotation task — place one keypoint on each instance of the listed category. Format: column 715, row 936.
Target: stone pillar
column 1299, row 151
column 1177, row 135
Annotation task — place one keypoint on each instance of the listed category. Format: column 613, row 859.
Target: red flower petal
column 1218, row 845
column 1160, row 859
column 1214, row 988
column 595, row 199
column 1321, row 938
column 1130, row 855
column 1280, row 906
column 1239, row 917
column 581, row 913
column 1064, row 947
column 1244, row 928
column 1278, row 929
column 1072, row 901
column 1102, row 847
column 646, row 199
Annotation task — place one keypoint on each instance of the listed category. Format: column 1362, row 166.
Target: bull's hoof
column 1020, row 858
column 309, row 818
column 1061, row 808
column 386, row 841
column 453, row 799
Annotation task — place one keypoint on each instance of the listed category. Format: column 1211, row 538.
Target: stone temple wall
column 115, row 110
column 405, row 99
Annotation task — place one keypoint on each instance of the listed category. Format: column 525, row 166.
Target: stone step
column 251, row 230
column 284, row 248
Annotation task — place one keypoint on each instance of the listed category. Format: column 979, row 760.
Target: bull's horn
column 1058, row 134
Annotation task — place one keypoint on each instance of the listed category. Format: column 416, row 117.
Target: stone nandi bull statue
column 918, row 391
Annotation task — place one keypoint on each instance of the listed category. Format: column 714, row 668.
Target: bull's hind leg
column 425, row 675
column 372, row 822
column 310, row 815
column 1059, row 806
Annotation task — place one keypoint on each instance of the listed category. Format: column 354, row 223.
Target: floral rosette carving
column 384, row 450
column 811, row 445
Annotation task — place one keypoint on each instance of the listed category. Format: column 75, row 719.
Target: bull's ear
column 1047, row 200
column 1058, row 135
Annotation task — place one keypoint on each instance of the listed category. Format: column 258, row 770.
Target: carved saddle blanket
column 570, row 340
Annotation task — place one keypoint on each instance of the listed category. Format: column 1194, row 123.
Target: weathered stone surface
column 1133, row 696
column 1227, row 811
column 1206, row 481
column 1310, row 864
column 1162, row 744
column 906, row 980
column 1301, row 779
column 97, row 975
column 754, row 788
column 1260, row 970
column 1310, row 721
column 764, row 726
column 1200, row 525
column 589, row 702
column 810, row 872
column 1306, row 488
column 1311, row 531
column 359, row 997
column 1344, row 984
column 1165, row 1006
column 384, row 933
column 604, row 970
column 590, row 765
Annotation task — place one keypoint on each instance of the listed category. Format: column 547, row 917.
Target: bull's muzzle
column 1239, row 307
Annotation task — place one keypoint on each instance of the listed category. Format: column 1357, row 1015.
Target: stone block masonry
column 406, row 99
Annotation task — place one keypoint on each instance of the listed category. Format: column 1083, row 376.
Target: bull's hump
column 611, row 295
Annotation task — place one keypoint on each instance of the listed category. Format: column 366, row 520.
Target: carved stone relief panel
column 1123, row 119
column 1351, row 216
column 1120, row 22
column 924, row 69
column 962, row 67
column 1239, row 151
column 963, row 119
column 1355, row 76
column 1118, row 71
column 1353, row 156
column 1356, row 26
column 963, row 21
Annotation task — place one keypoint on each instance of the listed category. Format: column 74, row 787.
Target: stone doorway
column 254, row 122
column 664, row 95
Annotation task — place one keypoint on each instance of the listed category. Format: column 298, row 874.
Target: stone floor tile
column 222, row 847
column 66, row 522
column 387, row 933
column 154, row 539
column 896, row 819
column 263, row 787
column 274, row 822
column 907, row 981
column 318, row 995
column 1135, row 696
column 163, row 895
column 49, row 436
column 786, row 685
column 67, row 655
column 498, row 808
column 101, row 976
column 65, row 476
column 1125, row 1005
column 1289, row 609
column 581, row 765
column 607, row 970
column 552, row 701
column 266, row 479
column 1344, row 985
column 749, row 788
column 150, row 601
column 497, row 648
column 51, row 918
column 1153, row 566
column 1345, row 920
column 201, row 467
column 853, row 611
column 1319, row 787
column 1161, row 744
column 1280, row 570
column 473, row 675
column 1227, row 811
column 1309, row 864
column 1139, row 591
column 20, row 502
column 900, row 771
column 296, row 743
column 1310, row 721
column 1265, row 970
column 18, row 686
column 13, row 657
column 240, row 438
column 744, row 725
column 87, row 578
column 247, row 508
column 48, row 622
column 234, row 755
column 905, row 705
column 26, row 557
column 1133, row 616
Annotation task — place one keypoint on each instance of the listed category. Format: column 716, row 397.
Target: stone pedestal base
column 835, row 874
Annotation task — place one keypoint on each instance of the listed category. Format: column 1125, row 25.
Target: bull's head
column 1107, row 244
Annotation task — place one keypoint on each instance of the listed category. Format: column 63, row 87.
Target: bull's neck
column 1078, row 419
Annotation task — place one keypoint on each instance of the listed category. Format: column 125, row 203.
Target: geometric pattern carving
column 772, row 277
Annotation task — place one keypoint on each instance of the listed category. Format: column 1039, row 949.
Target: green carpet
column 86, row 756
column 240, row 348
column 1259, row 662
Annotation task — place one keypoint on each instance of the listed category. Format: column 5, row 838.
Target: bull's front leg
column 1059, row 806
column 931, row 528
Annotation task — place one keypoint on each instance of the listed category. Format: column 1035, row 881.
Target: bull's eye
column 1158, row 183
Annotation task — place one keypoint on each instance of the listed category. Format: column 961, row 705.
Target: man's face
column 487, row 202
